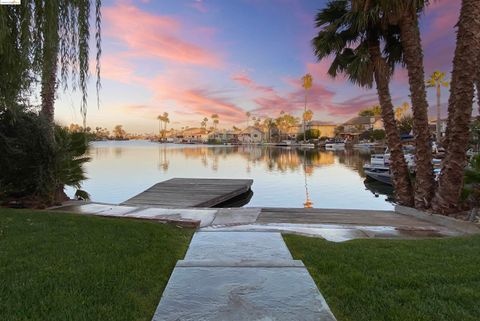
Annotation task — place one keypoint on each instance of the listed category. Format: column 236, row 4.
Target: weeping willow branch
column 46, row 42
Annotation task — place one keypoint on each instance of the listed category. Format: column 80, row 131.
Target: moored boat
column 335, row 145
column 379, row 173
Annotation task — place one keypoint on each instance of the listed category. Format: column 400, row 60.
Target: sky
column 193, row 58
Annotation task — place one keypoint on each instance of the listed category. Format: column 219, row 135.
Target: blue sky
column 194, row 58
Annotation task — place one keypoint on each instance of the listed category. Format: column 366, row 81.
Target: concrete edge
column 449, row 222
column 241, row 263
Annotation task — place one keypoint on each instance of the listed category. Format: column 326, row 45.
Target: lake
column 283, row 177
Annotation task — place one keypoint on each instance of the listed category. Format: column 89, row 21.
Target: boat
column 307, row 145
column 365, row 145
column 384, row 159
column 285, row 143
column 291, row 143
column 335, row 145
column 379, row 173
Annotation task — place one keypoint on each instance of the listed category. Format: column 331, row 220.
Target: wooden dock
column 337, row 217
column 191, row 192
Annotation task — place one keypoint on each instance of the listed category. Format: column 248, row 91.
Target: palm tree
column 215, row 121
column 436, row 80
column 307, row 117
column 404, row 15
column 306, row 84
column 160, row 122
column 204, row 122
column 357, row 53
column 248, row 114
column 460, row 103
column 166, row 121
column 400, row 111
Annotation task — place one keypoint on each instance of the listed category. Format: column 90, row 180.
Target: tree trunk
column 50, row 62
column 398, row 168
column 438, row 127
column 413, row 56
column 460, row 104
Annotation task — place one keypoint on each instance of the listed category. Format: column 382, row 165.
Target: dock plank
column 191, row 192
column 338, row 216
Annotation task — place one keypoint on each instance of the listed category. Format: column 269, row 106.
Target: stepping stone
column 235, row 216
column 242, row 294
column 237, row 246
column 204, row 216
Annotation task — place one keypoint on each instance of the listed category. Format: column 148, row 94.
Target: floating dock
column 191, row 192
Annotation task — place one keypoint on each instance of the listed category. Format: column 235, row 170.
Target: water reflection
column 283, row 177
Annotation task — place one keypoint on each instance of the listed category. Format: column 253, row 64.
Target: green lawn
column 370, row 280
column 56, row 266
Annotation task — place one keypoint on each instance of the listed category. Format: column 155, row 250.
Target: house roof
column 197, row 131
column 249, row 129
column 316, row 123
column 361, row 120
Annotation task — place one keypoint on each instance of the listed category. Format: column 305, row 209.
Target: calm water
column 282, row 177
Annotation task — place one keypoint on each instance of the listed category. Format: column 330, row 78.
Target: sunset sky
column 193, row 58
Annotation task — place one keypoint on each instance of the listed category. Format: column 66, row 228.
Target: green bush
column 378, row 134
column 38, row 161
column 310, row 134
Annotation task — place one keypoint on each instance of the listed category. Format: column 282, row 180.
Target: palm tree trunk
column 399, row 170
column 438, row 127
column 413, row 56
column 460, row 104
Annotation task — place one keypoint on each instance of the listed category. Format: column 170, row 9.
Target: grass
column 370, row 280
column 57, row 266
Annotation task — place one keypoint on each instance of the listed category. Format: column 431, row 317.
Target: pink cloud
column 246, row 81
column 116, row 68
column 149, row 35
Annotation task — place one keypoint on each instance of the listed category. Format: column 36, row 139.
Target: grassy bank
column 367, row 280
column 57, row 266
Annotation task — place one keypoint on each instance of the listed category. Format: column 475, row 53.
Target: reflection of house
column 225, row 136
column 362, row 123
column 325, row 129
column 251, row 135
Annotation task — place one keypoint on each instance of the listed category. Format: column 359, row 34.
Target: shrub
column 378, row 134
column 38, row 161
column 310, row 134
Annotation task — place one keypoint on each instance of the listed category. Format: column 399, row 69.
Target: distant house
column 326, row 129
column 433, row 126
column 225, row 136
column 360, row 124
column 199, row 135
column 251, row 135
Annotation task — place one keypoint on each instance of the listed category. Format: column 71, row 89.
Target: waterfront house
column 326, row 129
column 360, row 124
column 225, row 136
column 251, row 135
column 193, row 135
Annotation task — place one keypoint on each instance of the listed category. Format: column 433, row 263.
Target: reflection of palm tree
column 163, row 159
column 308, row 203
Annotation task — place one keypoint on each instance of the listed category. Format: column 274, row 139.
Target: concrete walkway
column 335, row 225
column 240, row 276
